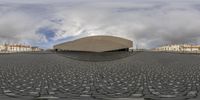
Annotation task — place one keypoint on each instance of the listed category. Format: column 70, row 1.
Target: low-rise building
column 179, row 48
column 18, row 48
column 36, row 49
column 2, row 47
column 192, row 48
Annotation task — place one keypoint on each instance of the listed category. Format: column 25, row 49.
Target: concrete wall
column 95, row 44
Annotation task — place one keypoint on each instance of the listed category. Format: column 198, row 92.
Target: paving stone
column 89, row 76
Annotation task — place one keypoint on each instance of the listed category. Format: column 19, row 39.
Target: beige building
column 18, row 48
column 99, row 43
column 179, row 48
column 2, row 47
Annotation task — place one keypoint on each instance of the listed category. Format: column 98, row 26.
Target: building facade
column 2, row 47
column 18, row 48
column 99, row 43
column 34, row 49
column 179, row 48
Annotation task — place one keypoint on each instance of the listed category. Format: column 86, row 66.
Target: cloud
column 149, row 23
column 19, row 24
column 16, row 26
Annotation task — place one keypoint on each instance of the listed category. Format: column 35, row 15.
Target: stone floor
column 136, row 76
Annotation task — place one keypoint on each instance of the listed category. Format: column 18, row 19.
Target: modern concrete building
column 179, row 48
column 99, row 43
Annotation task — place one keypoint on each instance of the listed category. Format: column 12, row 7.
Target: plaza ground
column 109, row 75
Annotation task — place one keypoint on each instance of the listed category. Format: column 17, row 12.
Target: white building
column 18, row 48
column 179, row 48
column 192, row 48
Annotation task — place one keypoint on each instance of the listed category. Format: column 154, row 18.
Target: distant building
column 18, row 48
column 2, row 47
column 179, row 48
column 36, row 49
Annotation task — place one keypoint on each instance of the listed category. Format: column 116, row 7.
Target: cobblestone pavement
column 139, row 76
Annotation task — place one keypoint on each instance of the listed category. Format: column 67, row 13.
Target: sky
column 148, row 23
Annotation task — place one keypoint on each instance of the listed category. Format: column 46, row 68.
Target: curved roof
column 98, row 43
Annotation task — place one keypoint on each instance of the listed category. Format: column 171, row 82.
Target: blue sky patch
column 49, row 33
